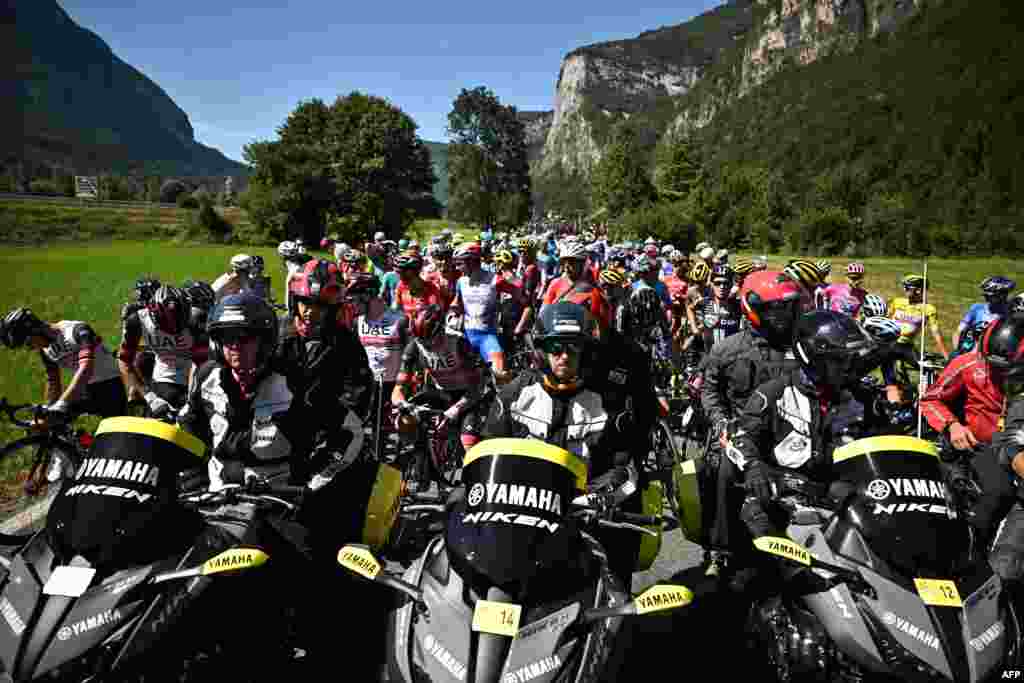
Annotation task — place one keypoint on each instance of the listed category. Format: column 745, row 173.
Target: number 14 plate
column 499, row 618
column 938, row 592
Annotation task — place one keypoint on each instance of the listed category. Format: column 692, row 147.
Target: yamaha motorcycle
column 903, row 595
column 516, row 588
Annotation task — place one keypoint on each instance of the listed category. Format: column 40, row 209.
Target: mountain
column 74, row 105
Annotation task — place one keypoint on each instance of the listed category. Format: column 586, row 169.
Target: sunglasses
column 236, row 337
column 721, row 283
column 555, row 347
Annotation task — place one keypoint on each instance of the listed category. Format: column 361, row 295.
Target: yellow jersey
column 912, row 317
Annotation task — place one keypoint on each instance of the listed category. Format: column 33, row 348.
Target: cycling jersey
column 532, row 283
column 388, row 285
column 911, row 318
column 580, row 292
column 445, row 283
column 844, row 298
column 974, row 323
column 478, row 298
column 677, row 289
column 452, row 365
column 384, row 339
column 412, row 303
column 78, row 345
column 720, row 319
column 230, row 283
column 174, row 353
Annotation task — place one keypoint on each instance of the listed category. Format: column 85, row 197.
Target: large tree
column 356, row 164
column 619, row 181
column 488, row 172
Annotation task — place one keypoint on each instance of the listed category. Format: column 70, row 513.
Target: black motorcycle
column 901, row 591
column 517, row 588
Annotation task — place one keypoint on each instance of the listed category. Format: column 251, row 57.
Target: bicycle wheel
column 668, row 456
column 48, row 463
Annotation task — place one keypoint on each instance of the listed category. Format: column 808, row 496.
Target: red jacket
column 964, row 392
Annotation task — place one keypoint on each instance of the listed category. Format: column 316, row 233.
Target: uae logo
column 476, row 494
column 878, row 489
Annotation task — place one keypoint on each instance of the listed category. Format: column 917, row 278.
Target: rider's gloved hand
column 757, row 481
column 158, row 407
column 236, row 446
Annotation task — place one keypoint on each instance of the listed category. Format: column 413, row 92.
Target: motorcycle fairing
column 400, row 656
column 535, row 654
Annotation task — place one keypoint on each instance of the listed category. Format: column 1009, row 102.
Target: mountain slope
column 77, row 106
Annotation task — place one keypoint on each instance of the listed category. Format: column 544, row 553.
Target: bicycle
column 437, row 450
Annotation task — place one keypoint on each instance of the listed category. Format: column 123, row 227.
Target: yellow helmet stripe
column 530, row 448
column 155, row 428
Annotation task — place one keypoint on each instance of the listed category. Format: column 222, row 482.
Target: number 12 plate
column 938, row 592
column 499, row 618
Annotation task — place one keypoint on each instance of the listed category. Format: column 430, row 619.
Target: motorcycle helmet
column 318, row 283
column 771, row 302
column 997, row 289
column 428, row 323
column 18, row 326
column 875, row 306
column 1003, row 347
column 243, row 312
column 832, row 348
column 170, row 309
column 563, row 326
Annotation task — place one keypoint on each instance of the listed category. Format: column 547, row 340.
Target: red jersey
column 414, row 303
column 580, row 292
column 966, row 387
column 445, row 283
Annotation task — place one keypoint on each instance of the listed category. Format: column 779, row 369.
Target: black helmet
column 1003, row 346
column 645, row 308
column 833, row 348
column 243, row 311
column 363, row 284
column 200, row 294
column 1017, row 303
column 19, row 325
column 145, row 287
column 997, row 288
column 170, row 309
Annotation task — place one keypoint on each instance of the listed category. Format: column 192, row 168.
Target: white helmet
column 571, row 248
column 722, row 255
column 241, row 263
column 379, row 236
column 702, row 246
column 706, row 253
column 340, row 250
column 667, row 250
column 650, row 240
column 286, row 249
column 300, row 246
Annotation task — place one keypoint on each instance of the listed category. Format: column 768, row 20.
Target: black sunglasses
column 721, row 283
column 557, row 347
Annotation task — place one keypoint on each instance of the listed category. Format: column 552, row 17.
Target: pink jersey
column 843, row 298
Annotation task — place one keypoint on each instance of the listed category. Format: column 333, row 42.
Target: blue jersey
column 981, row 314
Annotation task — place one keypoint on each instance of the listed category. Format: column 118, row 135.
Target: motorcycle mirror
column 230, row 560
column 658, row 598
column 359, row 559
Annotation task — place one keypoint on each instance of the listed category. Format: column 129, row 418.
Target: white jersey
column 228, row 284
column 173, row 352
column 384, row 340
column 68, row 351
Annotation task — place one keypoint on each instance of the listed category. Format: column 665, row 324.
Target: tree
column 357, row 163
column 677, row 167
column 170, row 190
column 488, row 172
column 619, row 181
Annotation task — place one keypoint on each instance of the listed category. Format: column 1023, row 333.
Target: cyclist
column 719, row 316
column 383, row 331
column 996, row 291
column 259, row 282
column 454, row 369
column 575, row 285
column 808, row 276
column 236, row 280
column 646, row 270
column 532, row 275
column 643, row 320
column 825, row 269
column 445, row 275
column 612, row 284
column 476, row 300
column 510, row 308
column 695, row 295
column 846, row 298
column 413, row 293
column 912, row 314
column 144, row 288
column 744, row 267
column 733, row 369
column 173, row 332
column 95, row 386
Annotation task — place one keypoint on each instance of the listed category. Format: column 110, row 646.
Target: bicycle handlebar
column 12, row 410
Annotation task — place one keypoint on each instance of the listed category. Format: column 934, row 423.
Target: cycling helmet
column 706, row 254
column 722, row 271
column 379, row 236
column 744, row 266
column 667, row 250
column 913, row 281
column 771, row 302
column 617, row 255
column 1003, row 346
column 761, row 263
column 286, row 249
column 200, row 294
column 340, row 250
column 677, row 257
column 855, row 269
column 825, row 268
column 832, row 348
column 883, row 330
column 257, row 266
column 722, row 256
column 701, row 247
column 170, row 309
column 651, row 251
column 363, row 285
column 875, row 306
column 408, row 260
column 645, row 308
column 241, row 263
column 144, row 288
column 997, row 288
column 571, row 249
column 247, row 312
column 612, row 277
column 643, row 264
column 804, row 273
column 428, row 323
column 1017, row 303
column 468, row 251
column 18, row 326
column 326, row 243
column 441, row 251
column 700, row 273
column 403, row 244
column 318, row 282
column 414, row 246
column 503, row 258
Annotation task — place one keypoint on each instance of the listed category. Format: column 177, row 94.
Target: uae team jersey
column 174, row 353
column 479, row 297
column 77, row 344
column 384, row 340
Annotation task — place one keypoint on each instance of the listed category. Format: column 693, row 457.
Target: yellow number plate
column 500, row 618
column 938, row 592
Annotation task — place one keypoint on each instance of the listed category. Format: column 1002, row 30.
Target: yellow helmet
column 700, row 273
column 743, row 266
column 805, row 273
column 612, row 276
column 503, row 257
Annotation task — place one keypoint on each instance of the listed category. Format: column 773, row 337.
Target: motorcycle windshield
column 120, row 502
column 902, row 507
column 512, row 523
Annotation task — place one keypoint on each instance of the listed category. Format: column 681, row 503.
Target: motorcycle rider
column 95, row 386
column 1006, row 349
column 555, row 404
column 733, row 369
column 796, row 420
column 173, row 331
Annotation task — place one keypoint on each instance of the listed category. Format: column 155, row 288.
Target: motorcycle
column 128, row 581
column 904, row 593
column 516, row 588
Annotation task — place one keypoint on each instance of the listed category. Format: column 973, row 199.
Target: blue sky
column 238, row 69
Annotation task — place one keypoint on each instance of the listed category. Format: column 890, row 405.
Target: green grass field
column 91, row 281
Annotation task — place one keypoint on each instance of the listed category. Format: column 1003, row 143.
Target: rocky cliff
column 680, row 76
column 78, row 106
